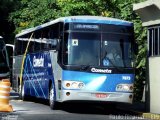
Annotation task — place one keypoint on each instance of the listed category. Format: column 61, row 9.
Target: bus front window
column 117, row 50
column 82, row 49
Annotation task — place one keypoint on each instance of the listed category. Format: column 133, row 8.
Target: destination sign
column 86, row 26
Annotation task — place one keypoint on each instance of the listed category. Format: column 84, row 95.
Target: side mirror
column 55, row 44
column 58, row 45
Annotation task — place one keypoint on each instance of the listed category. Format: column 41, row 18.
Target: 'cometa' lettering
column 101, row 70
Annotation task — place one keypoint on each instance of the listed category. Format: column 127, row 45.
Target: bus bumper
column 70, row 95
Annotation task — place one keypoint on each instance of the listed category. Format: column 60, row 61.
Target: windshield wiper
column 84, row 67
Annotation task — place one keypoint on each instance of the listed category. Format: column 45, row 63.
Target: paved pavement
column 137, row 108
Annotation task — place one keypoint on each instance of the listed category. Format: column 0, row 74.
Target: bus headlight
column 124, row 87
column 81, row 85
column 77, row 85
column 73, row 85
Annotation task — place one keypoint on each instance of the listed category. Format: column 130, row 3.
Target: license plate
column 101, row 95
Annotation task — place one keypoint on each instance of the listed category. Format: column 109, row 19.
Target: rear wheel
column 52, row 102
column 22, row 93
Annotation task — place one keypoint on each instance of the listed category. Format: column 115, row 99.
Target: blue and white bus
column 4, row 61
column 66, row 60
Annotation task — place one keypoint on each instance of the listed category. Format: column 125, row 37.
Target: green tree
column 7, row 27
column 35, row 12
column 126, row 12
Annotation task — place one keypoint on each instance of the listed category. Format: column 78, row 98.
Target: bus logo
column 38, row 62
column 101, row 70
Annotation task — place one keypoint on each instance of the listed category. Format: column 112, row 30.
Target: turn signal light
column 68, row 85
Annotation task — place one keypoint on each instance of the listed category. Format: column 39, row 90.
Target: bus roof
column 79, row 19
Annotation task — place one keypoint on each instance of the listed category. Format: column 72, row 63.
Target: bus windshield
column 96, row 49
column 82, row 49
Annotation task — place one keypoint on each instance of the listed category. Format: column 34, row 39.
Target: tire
column 52, row 102
column 22, row 93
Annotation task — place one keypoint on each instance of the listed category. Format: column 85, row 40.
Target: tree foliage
column 34, row 12
column 7, row 27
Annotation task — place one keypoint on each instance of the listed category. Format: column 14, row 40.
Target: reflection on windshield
column 96, row 49
column 117, row 50
column 82, row 49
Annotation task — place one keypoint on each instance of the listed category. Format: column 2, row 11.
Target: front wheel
column 52, row 102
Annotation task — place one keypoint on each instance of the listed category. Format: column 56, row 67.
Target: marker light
column 67, row 84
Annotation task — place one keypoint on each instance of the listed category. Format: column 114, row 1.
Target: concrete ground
column 137, row 107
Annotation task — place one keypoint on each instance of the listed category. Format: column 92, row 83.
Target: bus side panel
column 37, row 73
column 57, row 72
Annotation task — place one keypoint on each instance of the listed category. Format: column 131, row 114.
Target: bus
column 4, row 61
column 66, row 60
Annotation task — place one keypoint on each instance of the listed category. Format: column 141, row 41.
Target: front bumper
column 75, row 95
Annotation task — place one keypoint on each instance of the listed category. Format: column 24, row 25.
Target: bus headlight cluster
column 124, row 87
column 73, row 85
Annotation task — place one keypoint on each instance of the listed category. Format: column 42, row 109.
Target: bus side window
column 38, row 41
column 44, row 45
column 19, row 47
column 53, row 44
column 37, row 46
column 53, row 36
column 24, row 46
column 31, row 47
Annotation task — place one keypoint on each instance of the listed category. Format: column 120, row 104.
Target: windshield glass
column 109, row 47
column 117, row 50
column 82, row 49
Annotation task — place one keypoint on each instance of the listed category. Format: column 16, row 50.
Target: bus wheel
column 22, row 95
column 52, row 102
